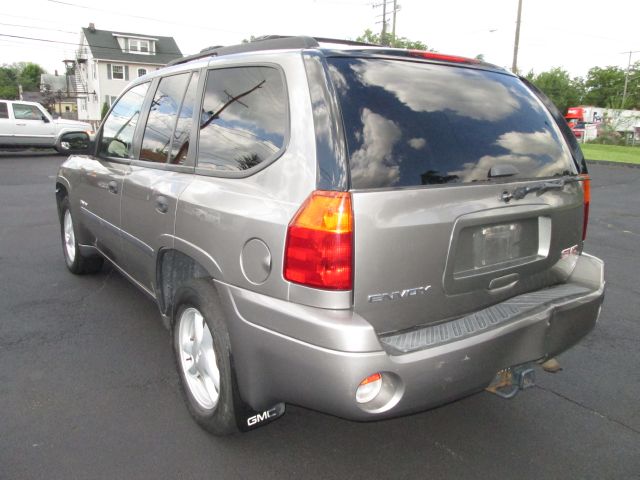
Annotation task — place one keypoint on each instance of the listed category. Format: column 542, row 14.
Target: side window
column 142, row 72
column 243, row 119
column 166, row 103
column 4, row 111
column 180, row 143
column 120, row 125
column 26, row 112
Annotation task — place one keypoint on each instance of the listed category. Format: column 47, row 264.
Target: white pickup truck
column 28, row 124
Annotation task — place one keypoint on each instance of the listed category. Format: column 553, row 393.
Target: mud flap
column 246, row 417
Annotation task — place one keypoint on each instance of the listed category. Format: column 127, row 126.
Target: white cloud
column 417, row 143
column 372, row 165
column 472, row 93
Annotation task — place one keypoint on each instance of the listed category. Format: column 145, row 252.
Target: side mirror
column 45, row 119
column 74, row 143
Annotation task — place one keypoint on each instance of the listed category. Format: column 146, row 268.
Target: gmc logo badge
column 261, row 417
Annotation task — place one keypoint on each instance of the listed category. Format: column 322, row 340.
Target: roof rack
column 269, row 42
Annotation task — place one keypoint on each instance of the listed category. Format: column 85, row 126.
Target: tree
column 29, row 76
column 563, row 90
column 8, row 83
column 23, row 73
column 105, row 110
column 399, row 42
column 605, row 87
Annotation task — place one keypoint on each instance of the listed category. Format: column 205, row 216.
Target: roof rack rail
column 268, row 42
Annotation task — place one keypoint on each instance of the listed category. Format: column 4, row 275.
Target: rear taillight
column 319, row 248
column 586, row 192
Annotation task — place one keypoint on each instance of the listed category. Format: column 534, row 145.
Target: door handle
column 113, row 186
column 21, row 124
column 162, row 205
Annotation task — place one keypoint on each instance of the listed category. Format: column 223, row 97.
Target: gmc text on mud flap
column 261, row 417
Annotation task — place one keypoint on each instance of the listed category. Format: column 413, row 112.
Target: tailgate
column 428, row 255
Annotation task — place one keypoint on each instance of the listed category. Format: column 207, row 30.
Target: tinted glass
column 180, row 144
column 156, row 142
column 120, row 125
column 243, row 119
column 4, row 112
column 26, row 112
column 410, row 123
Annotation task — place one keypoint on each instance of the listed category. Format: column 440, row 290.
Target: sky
column 574, row 35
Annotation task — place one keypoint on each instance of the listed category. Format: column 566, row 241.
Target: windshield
column 410, row 123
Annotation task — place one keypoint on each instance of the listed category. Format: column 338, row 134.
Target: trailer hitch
column 509, row 381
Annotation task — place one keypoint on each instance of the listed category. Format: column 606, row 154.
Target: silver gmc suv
column 364, row 231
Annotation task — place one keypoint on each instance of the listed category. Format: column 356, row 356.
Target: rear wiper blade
column 521, row 192
column 540, row 188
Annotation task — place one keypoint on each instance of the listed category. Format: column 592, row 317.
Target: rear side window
column 4, row 112
column 120, row 125
column 244, row 118
column 410, row 123
column 166, row 104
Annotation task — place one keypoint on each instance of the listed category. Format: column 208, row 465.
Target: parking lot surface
column 88, row 387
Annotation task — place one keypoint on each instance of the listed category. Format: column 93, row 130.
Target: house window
column 142, row 71
column 110, row 100
column 117, row 71
column 136, row 45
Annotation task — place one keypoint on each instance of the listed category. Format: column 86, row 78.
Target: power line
column 37, row 28
column 69, row 43
column 143, row 17
column 43, row 20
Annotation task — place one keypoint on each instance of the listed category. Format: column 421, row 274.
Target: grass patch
column 611, row 153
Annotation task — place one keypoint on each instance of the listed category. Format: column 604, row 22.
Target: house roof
column 33, row 97
column 104, row 46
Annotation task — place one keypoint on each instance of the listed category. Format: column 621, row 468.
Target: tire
column 73, row 258
column 202, row 351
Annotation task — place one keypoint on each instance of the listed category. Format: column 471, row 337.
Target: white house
column 107, row 61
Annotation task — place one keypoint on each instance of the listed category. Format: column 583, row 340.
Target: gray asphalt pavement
column 88, row 387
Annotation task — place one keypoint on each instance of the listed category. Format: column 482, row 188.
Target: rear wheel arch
column 61, row 193
column 174, row 269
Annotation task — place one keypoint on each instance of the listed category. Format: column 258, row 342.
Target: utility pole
column 626, row 78
column 514, row 67
column 395, row 9
column 383, row 35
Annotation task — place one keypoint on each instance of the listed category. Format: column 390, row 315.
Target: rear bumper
column 317, row 358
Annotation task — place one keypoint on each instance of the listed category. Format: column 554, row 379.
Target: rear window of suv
column 410, row 123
